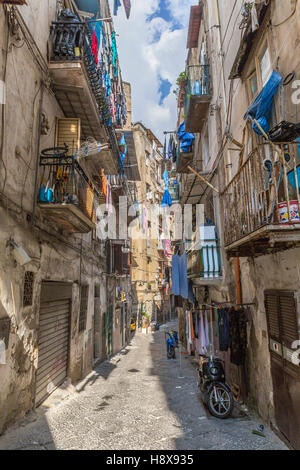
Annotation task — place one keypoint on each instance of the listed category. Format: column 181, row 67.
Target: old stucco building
column 151, row 262
column 65, row 294
column 234, row 47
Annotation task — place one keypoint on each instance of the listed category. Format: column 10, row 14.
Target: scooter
column 175, row 337
column 170, row 346
column 215, row 392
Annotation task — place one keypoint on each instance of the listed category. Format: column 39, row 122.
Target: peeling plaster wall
column 55, row 256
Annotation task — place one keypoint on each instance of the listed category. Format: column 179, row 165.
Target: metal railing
column 206, row 262
column 198, row 83
column 263, row 192
column 62, row 181
column 174, row 192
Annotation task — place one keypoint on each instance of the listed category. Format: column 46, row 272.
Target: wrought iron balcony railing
column 197, row 96
column 261, row 204
column 198, row 83
column 65, row 192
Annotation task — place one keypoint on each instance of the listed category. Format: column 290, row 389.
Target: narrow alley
column 137, row 400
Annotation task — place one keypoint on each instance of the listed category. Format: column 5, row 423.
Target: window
column 253, row 85
column 28, row 289
column 261, row 71
column 84, row 295
column 265, row 65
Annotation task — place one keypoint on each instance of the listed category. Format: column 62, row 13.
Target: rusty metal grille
column 84, row 295
column 28, row 288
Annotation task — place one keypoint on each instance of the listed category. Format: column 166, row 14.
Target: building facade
column 151, row 261
column 240, row 53
column 65, row 293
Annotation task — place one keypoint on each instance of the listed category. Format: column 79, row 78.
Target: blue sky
column 152, row 53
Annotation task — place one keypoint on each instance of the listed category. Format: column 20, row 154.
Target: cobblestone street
column 137, row 400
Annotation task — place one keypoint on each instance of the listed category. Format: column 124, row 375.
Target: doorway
column 283, row 329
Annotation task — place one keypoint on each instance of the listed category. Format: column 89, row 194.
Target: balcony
column 204, row 259
column 118, row 262
column 78, row 85
column 261, row 203
column 197, row 97
column 66, row 196
column 184, row 159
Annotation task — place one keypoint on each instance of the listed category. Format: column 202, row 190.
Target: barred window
column 84, row 295
column 28, row 288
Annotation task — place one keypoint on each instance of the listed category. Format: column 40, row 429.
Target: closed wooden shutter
column 288, row 318
column 68, row 132
column 272, row 312
column 282, row 316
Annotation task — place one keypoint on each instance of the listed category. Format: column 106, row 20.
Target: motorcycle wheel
column 171, row 353
column 220, row 401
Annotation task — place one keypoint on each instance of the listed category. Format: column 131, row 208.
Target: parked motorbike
column 170, row 345
column 154, row 326
column 215, row 392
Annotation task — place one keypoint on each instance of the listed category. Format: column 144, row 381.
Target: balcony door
column 283, row 328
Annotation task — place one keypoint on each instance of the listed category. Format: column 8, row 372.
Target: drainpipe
column 238, row 285
column 37, row 163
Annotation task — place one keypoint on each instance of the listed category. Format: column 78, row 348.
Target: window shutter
column 68, row 132
column 272, row 312
column 288, row 318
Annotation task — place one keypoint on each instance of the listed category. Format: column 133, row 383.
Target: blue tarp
column 185, row 138
column 261, row 107
column 166, row 200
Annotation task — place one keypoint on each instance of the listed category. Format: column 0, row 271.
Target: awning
column 194, row 26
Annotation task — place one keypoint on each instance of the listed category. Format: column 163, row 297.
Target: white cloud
column 144, row 56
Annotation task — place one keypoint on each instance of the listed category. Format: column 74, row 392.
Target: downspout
column 39, row 129
column 238, row 285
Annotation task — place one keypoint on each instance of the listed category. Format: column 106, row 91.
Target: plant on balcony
column 180, row 83
column 149, row 286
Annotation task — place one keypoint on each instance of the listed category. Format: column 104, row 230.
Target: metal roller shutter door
column 53, row 347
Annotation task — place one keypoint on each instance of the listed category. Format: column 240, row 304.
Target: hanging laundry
column 204, row 342
column 166, row 200
column 127, row 6
column 167, row 248
column 104, row 182
column 117, row 4
column 224, row 329
column 238, row 333
column 165, row 149
column 115, row 54
column 186, row 138
column 184, row 288
column 170, row 147
column 192, row 327
column 175, row 275
column 95, row 46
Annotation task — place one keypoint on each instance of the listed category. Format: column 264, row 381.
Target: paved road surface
column 137, row 400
